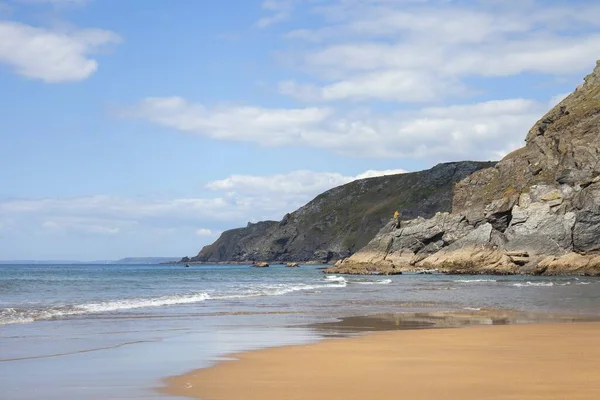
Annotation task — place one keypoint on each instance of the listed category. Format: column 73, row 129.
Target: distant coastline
column 311, row 262
column 127, row 260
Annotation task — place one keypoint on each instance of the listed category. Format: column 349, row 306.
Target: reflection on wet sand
column 439, row 320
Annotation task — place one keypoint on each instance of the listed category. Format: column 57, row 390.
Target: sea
column 116, row 331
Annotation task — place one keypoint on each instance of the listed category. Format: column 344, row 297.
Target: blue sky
column 145, row 128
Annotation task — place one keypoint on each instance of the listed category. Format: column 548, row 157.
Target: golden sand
column 518, row 362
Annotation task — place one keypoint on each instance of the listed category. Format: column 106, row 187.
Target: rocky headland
column 535, row 212
column 342, row 220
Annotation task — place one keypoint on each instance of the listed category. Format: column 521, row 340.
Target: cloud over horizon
column 229, row 117
column 232, row 202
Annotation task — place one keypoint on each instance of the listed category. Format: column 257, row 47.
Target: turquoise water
column 110, row 331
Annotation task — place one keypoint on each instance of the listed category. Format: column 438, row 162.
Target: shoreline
column 249, row 263
column 386, row 356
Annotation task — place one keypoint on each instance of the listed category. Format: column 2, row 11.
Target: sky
column 148, row 127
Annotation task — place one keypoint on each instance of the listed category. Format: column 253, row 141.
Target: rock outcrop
column 260, row 264
column 342, row 220
column 537, row 211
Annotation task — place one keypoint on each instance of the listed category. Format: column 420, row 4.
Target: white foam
column 13, row 316
column 472, row 308
column 128, row 304
column 278, row 290
column 381, row 282
column 335, row 278
column 474, row 280
column 24, row 316
column 20, row 316
column 540, row 284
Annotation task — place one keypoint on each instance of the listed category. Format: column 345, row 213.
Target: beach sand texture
column 517, row 362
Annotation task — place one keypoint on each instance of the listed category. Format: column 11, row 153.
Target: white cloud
column 125, row 215
column 50, row 225
column 425, row 51
column 132, row 209
column 302, row 182
column 279, row 11
column 255, row 124
column 127, row 222
column 204, row 232
column 50, row 55
column 396, row 85
column 81, row 225
column 475, row 131
column 371, row 173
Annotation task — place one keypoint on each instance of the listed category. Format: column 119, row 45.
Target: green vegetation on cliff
column 342, row 220
column 537, row 211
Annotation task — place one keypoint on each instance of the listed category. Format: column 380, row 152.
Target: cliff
column 342, row 220
column 537, row 211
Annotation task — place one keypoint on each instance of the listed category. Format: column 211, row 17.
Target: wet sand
column 516, row 362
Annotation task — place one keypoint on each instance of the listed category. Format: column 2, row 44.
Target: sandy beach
column 517, row 362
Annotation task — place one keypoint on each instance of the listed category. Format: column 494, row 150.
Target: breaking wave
column 26, row 315
column 528, row 284
column 380, row 282
column 335, row 278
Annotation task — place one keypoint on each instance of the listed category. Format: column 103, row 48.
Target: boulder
column 570, row 264
column 350, row 267
column 261, row 264
column 537, row 211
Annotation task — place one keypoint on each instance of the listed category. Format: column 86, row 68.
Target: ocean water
column 113, row 332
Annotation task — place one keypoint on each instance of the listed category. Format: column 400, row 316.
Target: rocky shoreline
column 536, row 212
column 342, row 220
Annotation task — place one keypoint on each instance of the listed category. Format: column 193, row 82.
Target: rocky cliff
column 342, row 220
column 537, row 211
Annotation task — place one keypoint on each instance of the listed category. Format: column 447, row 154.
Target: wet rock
column 260, row 264
column 570, row 264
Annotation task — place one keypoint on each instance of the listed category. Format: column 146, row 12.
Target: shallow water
column 97, row 332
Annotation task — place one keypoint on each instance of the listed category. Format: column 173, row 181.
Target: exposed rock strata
column 537, row 211
column 340, row 221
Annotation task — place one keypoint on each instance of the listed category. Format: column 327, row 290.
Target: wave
column 475, row 280
column 277, row 290
column 335, row 278
column 128, row 304
column 528, row 284
column 381, row 282
column 574, row 283
column 27, row 315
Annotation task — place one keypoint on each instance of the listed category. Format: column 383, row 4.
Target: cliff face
column 537, row 211
column 342, row 220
